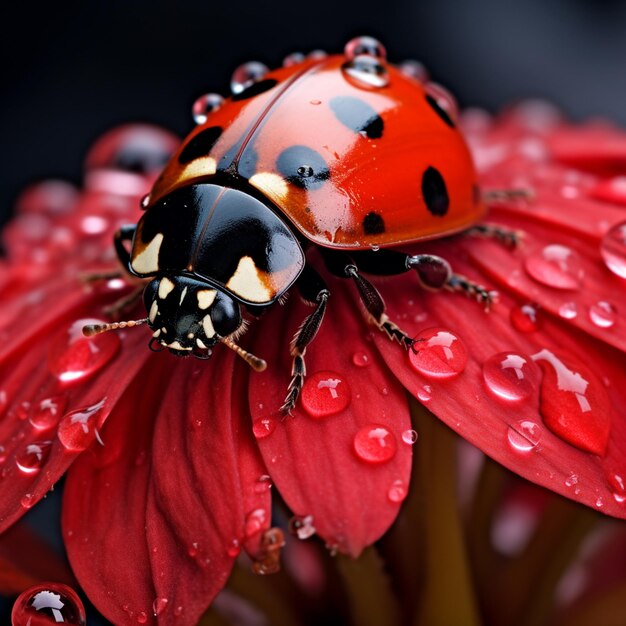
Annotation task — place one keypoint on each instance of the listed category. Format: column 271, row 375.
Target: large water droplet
column 414, row 69
column 556, row 266
column 603, row 314
column 325, row 393
column 247, row 74
column 73, row 357
column 365, row 45
column 254, row 522
column 425, row 393
column 574, row 405
column 79, row 428
column 410, row 437
column 440, row 354
column 510, row 377
column 366, row 70
column 48, row 603
column 31, row 458
column 617, row 485
column 375, row 444
column 397, row 492
column 524, row 436
column 264, row 426
column 613, row 249
column 48, row 412
column 302, row 526
column 205, row 105
column 524, row 318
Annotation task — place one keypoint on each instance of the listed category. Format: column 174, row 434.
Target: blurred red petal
column 341, row 458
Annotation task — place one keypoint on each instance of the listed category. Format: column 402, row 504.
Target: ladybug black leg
column 125, row 233
column 314, row 292
column 510, row 238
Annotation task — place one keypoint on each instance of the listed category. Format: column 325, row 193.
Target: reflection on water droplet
column 325, row 393
column 255, row 520
column 204, row 106
column 79, row 428
column 263, row 484
column 524, row 435
column 31, row 458
column 366, row 70
column 247, row 74
column 360, row 359
column 263, row 427
column 425, row 393
column 603, row 314
column 365, row 45
column 159, row 606
column 28, row 500
column 48, row 412
column 397, row 492
column 302, row 526
column 414, row 69
column 48, row 603
column 524, row 318
column 410, row 437
column 568, row 310
column 510, row 377
column 142, row 617
column 599, row 502
column 571, row 480
column 617, row 485
column 556, row 266
column 613, row 249
column 73, row 357
column 293, row 59
column 375, row 444
column 440, row 354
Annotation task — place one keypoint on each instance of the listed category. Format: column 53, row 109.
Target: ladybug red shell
column 349, row 164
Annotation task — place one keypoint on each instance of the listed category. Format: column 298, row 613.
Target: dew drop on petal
column 32, row 457
column 48, row 603
column 234, row 549
column 264, row 426
column 524, row 318
column 617, row 485
column 263, row 484
column 510, row 377
column 613, row 249
column 410, row 437
column 603, row 314
column 568, row 310
column 440, row 354
column 254, row 522
column 247, row 74
column 28, row 500
column 159, row 605
column 302, row 526
column 47, row 412
column 366, row 70
column 78, row 429
column 365, row 45
column 425, row 393
column 142, row 617
column 556, row 266
column 73, row 357
column 524, row 435
column 374, row 443
column 325, row 393
column 360, row 359
column 571, row 480
column 205, row 105
column 397, row 492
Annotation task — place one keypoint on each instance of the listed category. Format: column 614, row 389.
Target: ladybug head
column 188, row 316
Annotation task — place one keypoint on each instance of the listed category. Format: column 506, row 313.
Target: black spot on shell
column 373, row 224
column 435, row 192
column 255, row 89
column 358, row 116
column 439, row 111
column 200, row 145
column 303, row 167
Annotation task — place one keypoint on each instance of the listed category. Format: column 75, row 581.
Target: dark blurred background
column 72, row 70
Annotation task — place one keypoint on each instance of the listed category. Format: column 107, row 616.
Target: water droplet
column 571, row 480
column 510, row 377
column 315, row 102
column 79, row 428
column 159, row 606
column 325, row 393
column 247, row 74
column 360, row 359
column 293, row 59
column 414, row 69
column 234, row 548
column 573, row 404
column 365, row 45
column 556, row 266
column 599, row 502
column 142, row 617
column 613, row 249
column 302, row 526
column 72, row 356
column 425, row 393
column 524, row 318
column 31, row 458
column 264, row 426
column 375, row 444
column 263, row 484
column 568, row 310
column 48, row 413
column 440, row 354
column 192, row 551
column 524, row 436
column 204, row 106
column 410, row 437
column 617, row 485
column 603, row 314
column 397, row 492
column 366, row 70
column 255, row 520
column 317, row 55
column 28, row 500
column 48, row 603
column 178, row 611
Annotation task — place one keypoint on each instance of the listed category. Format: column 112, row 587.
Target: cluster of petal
column 171, row 463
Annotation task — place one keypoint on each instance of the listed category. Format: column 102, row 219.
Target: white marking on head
column 164, row 330
column 156, row 333
column 247, row 283
column 182, row 296
column 205, row 298
column 147, row 260
column 201, row 344
column 207, row 324
column 154, row 309
column 273, row 185
column 176, row 345
column 190, row 335
column 202, row 166
column 165, row 287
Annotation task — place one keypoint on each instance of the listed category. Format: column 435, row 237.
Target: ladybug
column 344, row 153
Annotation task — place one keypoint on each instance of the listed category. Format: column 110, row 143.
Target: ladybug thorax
column 188, row 315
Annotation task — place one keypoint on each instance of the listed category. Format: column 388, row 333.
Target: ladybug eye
column 306, row 171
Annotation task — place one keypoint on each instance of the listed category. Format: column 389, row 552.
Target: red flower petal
column 341, row 458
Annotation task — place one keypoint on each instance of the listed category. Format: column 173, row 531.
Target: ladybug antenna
column 95, row 329
column 257, row 364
